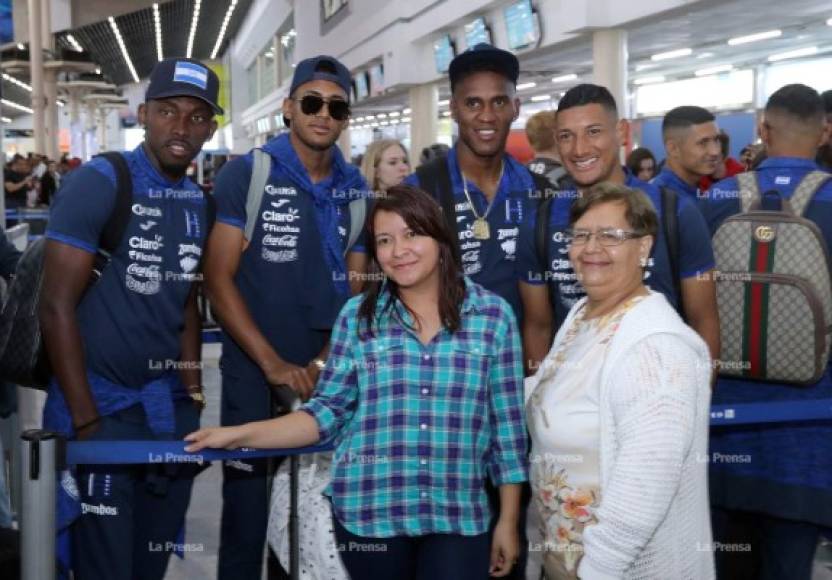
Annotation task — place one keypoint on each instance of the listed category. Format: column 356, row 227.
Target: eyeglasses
column 339, row 109
column 605, row 236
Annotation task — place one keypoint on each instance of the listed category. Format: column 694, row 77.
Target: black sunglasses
column 311, row 104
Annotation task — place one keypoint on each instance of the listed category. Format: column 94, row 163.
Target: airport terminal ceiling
column 702, row 26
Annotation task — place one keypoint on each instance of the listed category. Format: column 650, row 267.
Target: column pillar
column 50, row 83
column 345, row 143
column 36, row 67
column 609, row 57
column 424, row 124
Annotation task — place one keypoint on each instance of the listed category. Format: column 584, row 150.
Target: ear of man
column 622, row 130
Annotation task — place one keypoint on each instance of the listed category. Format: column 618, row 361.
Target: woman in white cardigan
column 619, row 413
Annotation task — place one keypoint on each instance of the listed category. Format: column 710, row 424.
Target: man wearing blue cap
column 487, row 195
column 280, row 264
column 125, row 349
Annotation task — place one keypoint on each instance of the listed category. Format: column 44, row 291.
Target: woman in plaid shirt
column 422, row 398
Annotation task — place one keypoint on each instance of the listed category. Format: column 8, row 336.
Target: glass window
column 286, row 38
column 268, row 70
column 734, row 89
column 814, row 73
column 251, row 77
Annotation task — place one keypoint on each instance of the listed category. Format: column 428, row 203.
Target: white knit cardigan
column 653, row 520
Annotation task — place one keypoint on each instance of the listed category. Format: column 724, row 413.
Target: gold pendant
column 481, row 229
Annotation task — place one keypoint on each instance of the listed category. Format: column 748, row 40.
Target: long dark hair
column 423, row 215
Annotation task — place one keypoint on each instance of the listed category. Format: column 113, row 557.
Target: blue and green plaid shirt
column 417, row 427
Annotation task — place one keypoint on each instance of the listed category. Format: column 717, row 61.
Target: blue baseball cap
column 489, row 58
column 184, row 77
column 310, row 70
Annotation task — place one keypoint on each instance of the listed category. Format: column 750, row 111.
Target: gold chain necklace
column 481, row 229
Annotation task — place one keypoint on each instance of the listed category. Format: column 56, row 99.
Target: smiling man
column 486, row 191
column 114, row 345
column 277, row 294
column 589, row 136
column 691, row 139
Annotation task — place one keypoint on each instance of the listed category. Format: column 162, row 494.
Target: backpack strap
column 358, row 215
column 435, row 178
column 210, row 212
column 541, row 231
column 260, row 170
column 670, row 227
column 749, row 189
column 116, row 225
column 544, row 188
column 806, row 190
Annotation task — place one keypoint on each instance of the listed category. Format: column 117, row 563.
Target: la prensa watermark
column 722, row 547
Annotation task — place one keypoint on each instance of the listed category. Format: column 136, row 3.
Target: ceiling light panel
column 798, row 53
column 712, row 70
column 756, row 37
column 649, row 80
column 672, row 54
column 18, row 82
column 565, row 78
column 121, row 45
column 75, row 45
column 194, row 22
column 223, row 28
column 18, row 106
column 157, row 26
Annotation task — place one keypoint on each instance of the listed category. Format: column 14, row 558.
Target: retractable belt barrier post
column 43, row 453
column 40, row 461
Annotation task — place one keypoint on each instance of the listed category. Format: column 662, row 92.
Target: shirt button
column 425, row 391
column 426, row 357
column 423, row 426
column 424, row 494
column 423, row 461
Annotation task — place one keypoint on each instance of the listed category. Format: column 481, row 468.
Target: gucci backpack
column 773, row 287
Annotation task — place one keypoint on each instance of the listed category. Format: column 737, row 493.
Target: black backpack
column 24, row 360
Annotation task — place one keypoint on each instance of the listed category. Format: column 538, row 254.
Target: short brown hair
column 640, row 213
column 540, row 129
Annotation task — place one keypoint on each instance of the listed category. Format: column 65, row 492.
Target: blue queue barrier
column 773, row 412
column 45, row 453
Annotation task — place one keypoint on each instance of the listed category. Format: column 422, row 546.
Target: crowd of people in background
column 32, row 181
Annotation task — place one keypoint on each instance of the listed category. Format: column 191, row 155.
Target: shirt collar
column 788, row 163
column 473, row 302
column 670, row 178
column 148, row 167
column 456, row 175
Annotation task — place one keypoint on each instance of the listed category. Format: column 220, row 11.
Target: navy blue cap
column 184, row 77
column 307, row 70
column 487, row 56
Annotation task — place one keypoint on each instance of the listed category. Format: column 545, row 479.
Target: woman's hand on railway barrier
column 214, row 438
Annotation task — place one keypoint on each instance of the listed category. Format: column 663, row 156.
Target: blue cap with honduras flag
column 184, row 77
